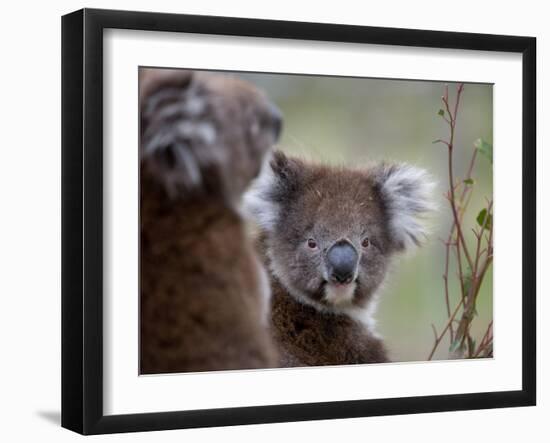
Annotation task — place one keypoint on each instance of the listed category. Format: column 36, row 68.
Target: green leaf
column 471, row 343
column 484, row 148
column 441, row 112
column 469, row 181
column 481, row 217
column 455, row 346
column 484, row 220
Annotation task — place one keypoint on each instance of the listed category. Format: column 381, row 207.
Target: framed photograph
column 269, row 221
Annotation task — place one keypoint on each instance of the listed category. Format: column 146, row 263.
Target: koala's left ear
column 280, row 179
column 406, row 193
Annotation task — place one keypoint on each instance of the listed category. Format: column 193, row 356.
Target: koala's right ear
column 153, row 80
column 406, row 192
column 276, row 185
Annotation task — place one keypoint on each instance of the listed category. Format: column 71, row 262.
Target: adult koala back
column 204, row 295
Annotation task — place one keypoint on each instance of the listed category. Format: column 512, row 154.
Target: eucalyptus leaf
column 471, row 343
column 455, row 346
column 484, row 220
column 484, row 148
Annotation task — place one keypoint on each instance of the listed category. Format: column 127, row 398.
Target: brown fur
column 202, row 303
column 307, row 337
column 200, row 295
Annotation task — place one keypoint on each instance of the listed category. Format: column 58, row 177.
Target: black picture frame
column 82, row 220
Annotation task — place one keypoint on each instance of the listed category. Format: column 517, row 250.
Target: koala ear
column 276, row 185
column 154, row 80
column 406, row 193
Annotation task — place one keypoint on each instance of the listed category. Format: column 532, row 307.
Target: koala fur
column 204, row 294
column 327, row 236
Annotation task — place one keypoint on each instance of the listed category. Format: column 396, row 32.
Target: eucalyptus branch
column 450, row 146
column 486, row 341
column 471, row 273
column 477, row 276
column 446, row 280
column 446, row 327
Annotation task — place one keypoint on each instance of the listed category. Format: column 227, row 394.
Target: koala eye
column 311, row 243
column 365, row 243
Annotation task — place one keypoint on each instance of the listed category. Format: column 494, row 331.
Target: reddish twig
column 442, row 334
column 477, row 264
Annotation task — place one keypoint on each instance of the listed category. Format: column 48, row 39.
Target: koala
column 204, row 296
column 327, row 236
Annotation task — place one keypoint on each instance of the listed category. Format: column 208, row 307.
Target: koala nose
column 276, row 117
column 342, row 260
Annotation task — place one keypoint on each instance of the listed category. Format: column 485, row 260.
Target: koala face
column 204, row 133
column 331, row 231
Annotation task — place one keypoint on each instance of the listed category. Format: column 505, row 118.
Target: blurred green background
column 353, row 121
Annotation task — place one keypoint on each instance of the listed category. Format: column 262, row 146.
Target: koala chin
column 204, row 294
column 327, row 235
